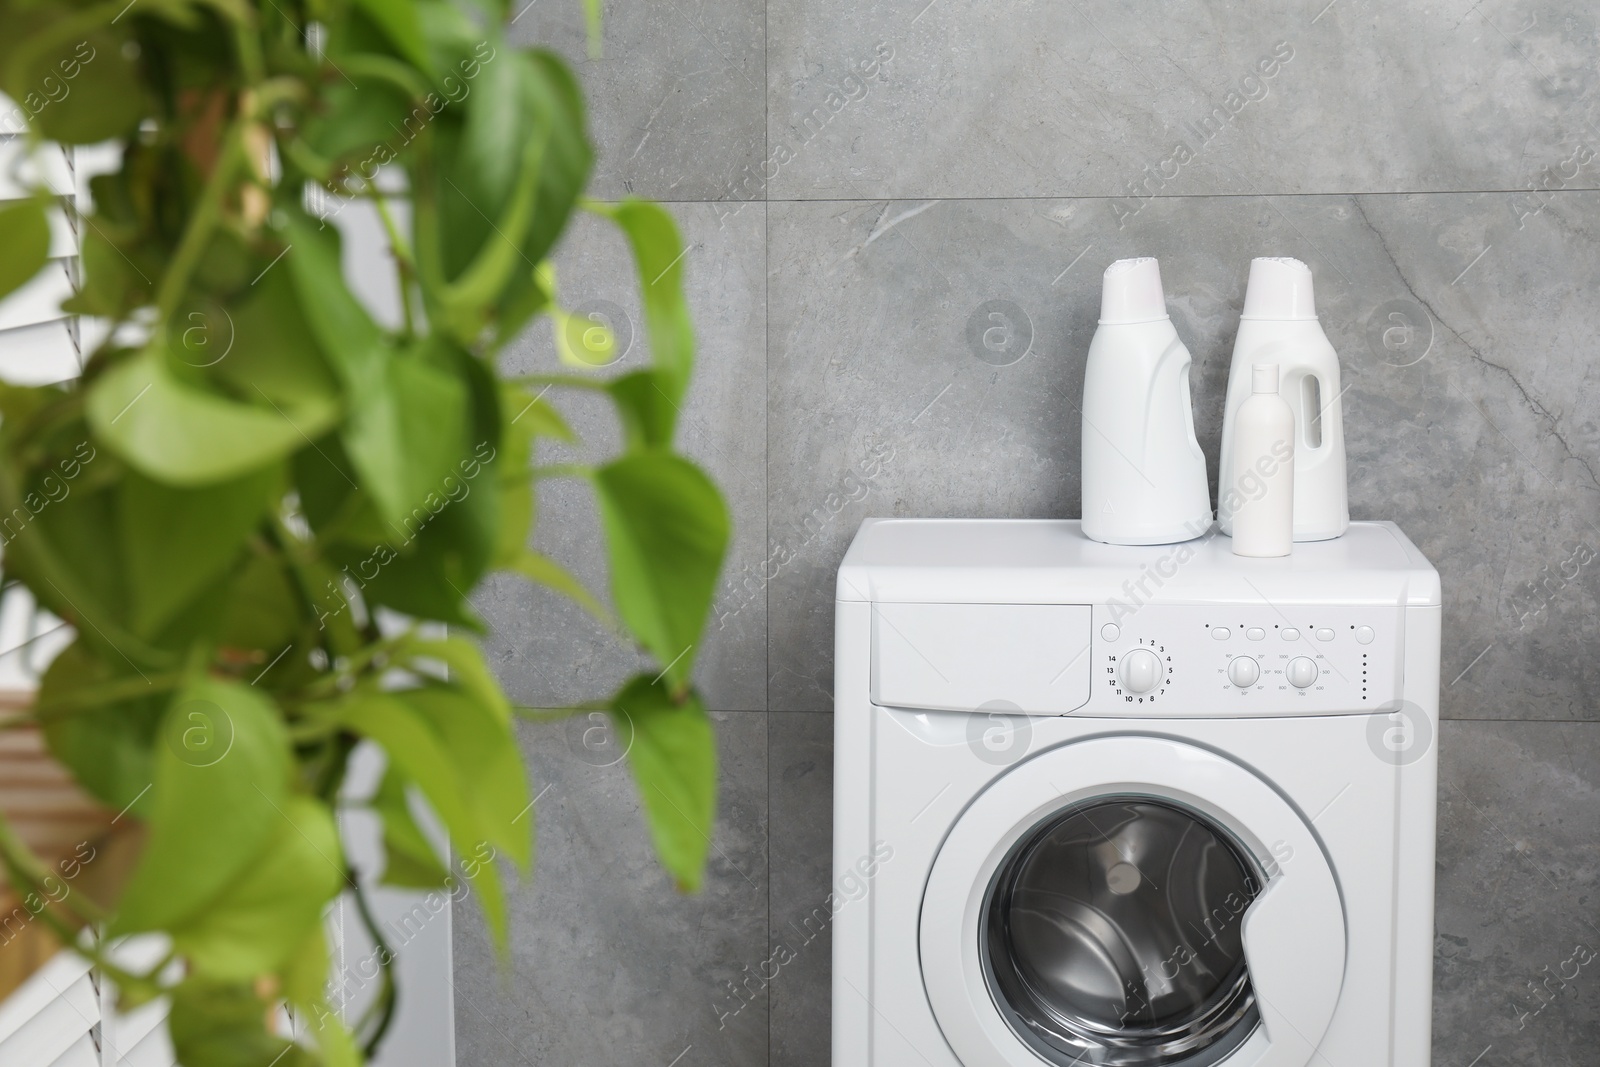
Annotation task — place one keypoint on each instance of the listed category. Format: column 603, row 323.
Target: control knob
column 1302, row 671
column 1243, row 671
column 1139, row 670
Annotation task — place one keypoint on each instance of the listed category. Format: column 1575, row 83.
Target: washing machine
column 1132, row 806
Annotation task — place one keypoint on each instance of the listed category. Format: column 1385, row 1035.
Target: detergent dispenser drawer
column 981, row 657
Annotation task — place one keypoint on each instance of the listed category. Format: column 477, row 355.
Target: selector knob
column 1302, row 671
column 1243, row 671
column 1139, row 670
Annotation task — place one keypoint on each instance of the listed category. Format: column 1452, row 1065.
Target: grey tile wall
column 675, row 99
column 608, row 964
column 1517, row 929
column 1469, row 418
column 548, row 651
column 1092, row 97
column 916, row 169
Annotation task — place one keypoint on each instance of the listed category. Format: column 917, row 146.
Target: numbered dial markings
column 1140, row 674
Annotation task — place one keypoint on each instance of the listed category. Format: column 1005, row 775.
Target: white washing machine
column 1143, row 807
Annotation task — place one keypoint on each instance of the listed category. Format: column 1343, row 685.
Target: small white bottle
column 1259, row 490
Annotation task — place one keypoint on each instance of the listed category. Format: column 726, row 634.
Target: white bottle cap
column 1265, row 378
column 1279, row 288
column 1131, row 292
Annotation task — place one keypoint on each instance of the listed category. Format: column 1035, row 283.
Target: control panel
column 1259, row 659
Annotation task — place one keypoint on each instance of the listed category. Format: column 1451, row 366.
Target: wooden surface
column 75, row 836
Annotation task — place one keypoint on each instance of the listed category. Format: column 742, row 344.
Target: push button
column 1256, row 633
column 1110, row 631
column 1324, row 634
column 1365, row 635
column 1220, row 633
column 1291, row 634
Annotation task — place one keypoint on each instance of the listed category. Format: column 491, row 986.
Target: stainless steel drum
column 1112, row 936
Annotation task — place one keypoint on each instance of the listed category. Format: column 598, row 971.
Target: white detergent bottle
column 1144, row 476
column 1279, row 325
column 1260, row 484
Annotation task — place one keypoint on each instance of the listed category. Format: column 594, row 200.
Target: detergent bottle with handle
column 1279, row 325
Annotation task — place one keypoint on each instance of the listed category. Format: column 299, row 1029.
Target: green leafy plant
column 255, row 541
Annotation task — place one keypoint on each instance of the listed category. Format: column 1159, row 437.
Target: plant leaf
column 524, row 418
column 80, row 531
column 496, row 120
column 592, row 19
column 658, row 253
column 666, row 531
column 673, row 753
column 417, row 750
column 263, row 609
column 445, row 550
column 221, row 777
column 398, row 19
column 184, row 436
column 551, row 90
column 467, row 668
column 305, row 974
column 360, row 122
column 175, row 541
column 274, row 353
column 545, row 571
column 106, row 743
column 112, row 284
column 406, row 432
column 484, row 752
column 105, row 100
column 467, row 298
column 225, row 1025
column 349, row 338
column 257, row 922
column 305, row 982
column 648, row 414
column 25, row 236
column 411, row 862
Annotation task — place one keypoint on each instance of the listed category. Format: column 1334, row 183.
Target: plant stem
column 405, row 264
column 570, row 381
column 557, row 714
column 205, row 216
column 563, row 470
column 123, row 689
column 249, row 46
column 28, row 872
column 384, row 1005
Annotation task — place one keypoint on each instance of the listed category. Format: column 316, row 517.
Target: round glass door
column 1111, row 935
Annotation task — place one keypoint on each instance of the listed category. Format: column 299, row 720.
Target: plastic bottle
column 1144, row 476
column 1260, row 484
column 1279, row 325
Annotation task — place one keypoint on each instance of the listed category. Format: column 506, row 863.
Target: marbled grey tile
column 1094, row 98
column 608, row 963
column 800, row 815
column 1476, row 432
column 676, row 102
column 1517, row 949
column 546, row 650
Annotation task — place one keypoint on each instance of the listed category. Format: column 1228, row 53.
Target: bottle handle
column 1310, row 410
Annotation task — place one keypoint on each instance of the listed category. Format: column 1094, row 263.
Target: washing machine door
column 1132, row 901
